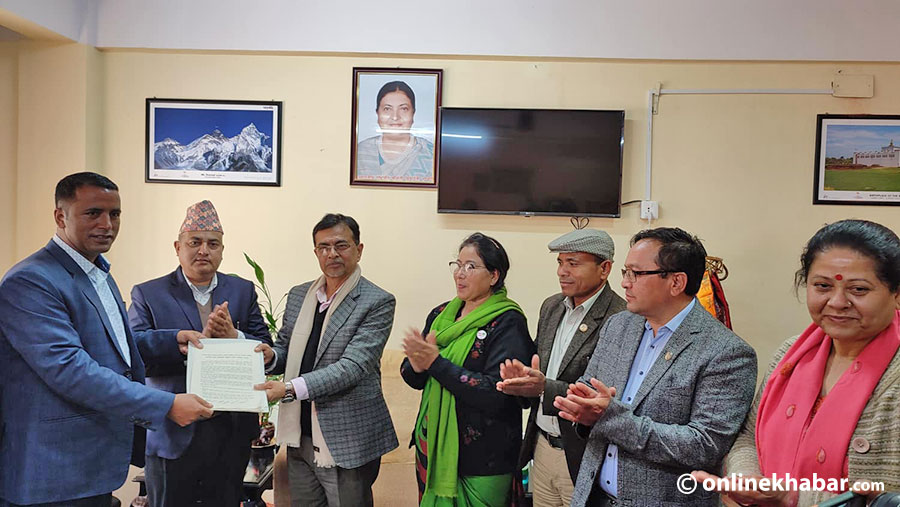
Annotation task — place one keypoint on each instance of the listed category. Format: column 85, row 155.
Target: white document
column 223, row 373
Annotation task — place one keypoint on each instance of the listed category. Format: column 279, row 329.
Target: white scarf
column 288, row 429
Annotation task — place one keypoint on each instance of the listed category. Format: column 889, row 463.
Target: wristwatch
column 289, row 395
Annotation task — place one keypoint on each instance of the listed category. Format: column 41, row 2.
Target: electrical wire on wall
column 654, row 95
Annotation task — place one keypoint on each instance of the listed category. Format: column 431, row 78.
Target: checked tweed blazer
column 685, row 416
column 574, row 361
column 345, row 382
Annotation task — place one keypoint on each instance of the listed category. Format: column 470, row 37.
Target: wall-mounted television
column 531, row 161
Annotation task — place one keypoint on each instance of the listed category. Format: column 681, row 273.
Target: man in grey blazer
column 567, row 333
column 667, row 388
column 329, row 348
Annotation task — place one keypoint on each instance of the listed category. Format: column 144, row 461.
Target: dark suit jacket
column 684, row 417
column 489, row 422
column 69, row 402
column 572, row 367
column 166, row 303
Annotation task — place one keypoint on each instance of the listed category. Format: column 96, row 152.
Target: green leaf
column 272, row 323
column 271, row 313
column 257, row 269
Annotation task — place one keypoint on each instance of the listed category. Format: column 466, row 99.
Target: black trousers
column 210, row 472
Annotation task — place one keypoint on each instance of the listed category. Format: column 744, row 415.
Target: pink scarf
column 786, row 440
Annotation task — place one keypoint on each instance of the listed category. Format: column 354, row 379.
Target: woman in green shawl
column 467, row 434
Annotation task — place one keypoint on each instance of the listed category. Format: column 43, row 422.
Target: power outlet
column 649, row 210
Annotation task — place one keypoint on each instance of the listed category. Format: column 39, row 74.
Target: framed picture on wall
column 857, row 159
column 213, row 141
column 394, row 126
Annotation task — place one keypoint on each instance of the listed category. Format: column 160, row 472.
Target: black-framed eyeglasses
column 632, row 274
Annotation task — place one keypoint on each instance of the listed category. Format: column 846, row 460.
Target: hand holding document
column 223, row 373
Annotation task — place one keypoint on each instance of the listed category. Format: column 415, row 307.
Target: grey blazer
column 574, row 361
column 685, row 416
column 346, row 380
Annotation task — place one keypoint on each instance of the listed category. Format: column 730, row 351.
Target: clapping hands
column 584, row 404
column 421, row 351
column 219, row 324
column 521, row 380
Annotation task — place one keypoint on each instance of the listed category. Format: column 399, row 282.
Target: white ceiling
column 69, row 18
column 835, row 30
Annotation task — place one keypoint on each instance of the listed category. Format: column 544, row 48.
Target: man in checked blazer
column 567, row 333
column 329, row 348
column 667, row 388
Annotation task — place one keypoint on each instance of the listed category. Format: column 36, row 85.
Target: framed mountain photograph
column 213, row 141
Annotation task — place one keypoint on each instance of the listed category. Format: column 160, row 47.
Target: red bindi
column 838, row 277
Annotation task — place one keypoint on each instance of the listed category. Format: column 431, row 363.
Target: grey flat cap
column 589, row 241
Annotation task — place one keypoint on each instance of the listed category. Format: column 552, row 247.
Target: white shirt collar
column 586, row 304
column 202, row 295
column 99, row 267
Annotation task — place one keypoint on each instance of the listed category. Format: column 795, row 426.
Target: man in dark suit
column 73, row 407
column 329, row 348
column 667, row 388
column 202, row 463
column 567, row 333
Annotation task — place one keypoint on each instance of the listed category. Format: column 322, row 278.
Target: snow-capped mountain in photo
column 244, row 152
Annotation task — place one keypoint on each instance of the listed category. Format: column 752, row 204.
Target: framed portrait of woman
column 394, row 137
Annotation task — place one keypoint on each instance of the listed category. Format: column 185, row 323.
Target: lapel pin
column 481, row 334
column 668, row 356
column 582, row 328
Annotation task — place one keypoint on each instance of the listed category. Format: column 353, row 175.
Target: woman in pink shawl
column 829, row 404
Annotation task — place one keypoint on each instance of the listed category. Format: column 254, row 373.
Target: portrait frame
column 370, row 150
column 857, row 160
column 224, row 142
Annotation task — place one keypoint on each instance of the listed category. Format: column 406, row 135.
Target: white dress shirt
column 564, row 334
column 98, row 272
column 203, row 293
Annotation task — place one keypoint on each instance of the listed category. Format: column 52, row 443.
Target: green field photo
column 877, row 179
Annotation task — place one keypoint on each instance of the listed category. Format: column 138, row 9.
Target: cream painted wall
column 94, row 104
column 83, row 109
column 8, row 138
column 58, row 127
column 754, row 211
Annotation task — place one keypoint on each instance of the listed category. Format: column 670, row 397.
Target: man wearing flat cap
column 202, row 463
column 567, row 333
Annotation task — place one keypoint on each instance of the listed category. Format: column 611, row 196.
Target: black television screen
column 531, row 161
